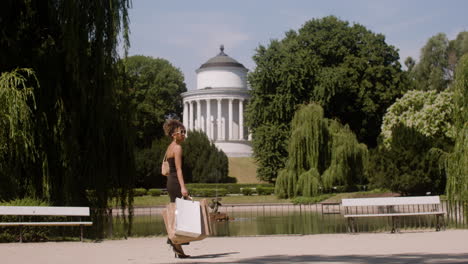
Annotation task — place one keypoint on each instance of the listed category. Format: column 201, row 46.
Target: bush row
column 143, row 192
column 231, row 188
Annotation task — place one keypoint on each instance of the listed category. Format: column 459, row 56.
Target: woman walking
column 175, row 181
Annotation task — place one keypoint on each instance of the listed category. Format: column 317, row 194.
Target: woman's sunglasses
column 183, row 132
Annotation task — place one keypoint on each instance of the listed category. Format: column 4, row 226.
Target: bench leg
column 440, row 223
column 21, row 234
column 81, row 229
column 351, row 227
column 395, row 224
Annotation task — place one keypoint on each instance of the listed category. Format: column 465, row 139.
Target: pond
column 273, row 220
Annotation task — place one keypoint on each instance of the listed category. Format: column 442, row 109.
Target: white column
column 191, row 116
column 218, row 120
column 230, row 119
column 241, row 119
column 185, row 115
column 208, row 119
column 198, row 123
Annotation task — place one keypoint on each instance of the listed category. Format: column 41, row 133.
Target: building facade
column 217, row 106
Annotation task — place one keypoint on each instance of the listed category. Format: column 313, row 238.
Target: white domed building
column 217, row 106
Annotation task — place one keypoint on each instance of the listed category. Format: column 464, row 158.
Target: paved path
column 449, row 246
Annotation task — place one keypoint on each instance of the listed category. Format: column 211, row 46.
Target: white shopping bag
column 187, row 218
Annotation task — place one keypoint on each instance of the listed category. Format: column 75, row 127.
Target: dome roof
column 221, row 60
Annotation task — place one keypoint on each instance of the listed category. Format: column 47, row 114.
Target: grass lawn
column 147, row 200
column 243, row 169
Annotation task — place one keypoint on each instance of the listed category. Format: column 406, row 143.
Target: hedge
column 139, row 192
column 232, row 188
column 154, row 192
column 205, row 192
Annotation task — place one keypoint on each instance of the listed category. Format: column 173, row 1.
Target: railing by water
column 287, row 219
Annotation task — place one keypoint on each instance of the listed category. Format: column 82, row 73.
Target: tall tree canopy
column 82, row 125
column 322, row 153
column 428, row 112
column 411, row 163
column 437, row 62
column 156, row 88
column 457, row 164
column 16, row 129
column 350, row 71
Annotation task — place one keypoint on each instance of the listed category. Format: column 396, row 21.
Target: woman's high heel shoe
column 178, row 251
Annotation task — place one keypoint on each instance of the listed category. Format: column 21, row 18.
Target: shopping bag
column 188, row 218
column 169, row 221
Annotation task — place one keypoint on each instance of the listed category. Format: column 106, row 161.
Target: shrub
column 265, row 190
column 310, row 200
column 205, row 192
column 30, row 233
column 247, row 191
column 154, row 192
column 232, row 188
column 139, row 191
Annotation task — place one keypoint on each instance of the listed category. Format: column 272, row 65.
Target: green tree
column 437, row 62
column 321, row 154
column 350, row 71
column 203, row 162
column 457, row 163
column 412, row 164
column 82, row 131
column 17, row 146
column 428, row 112
column 156, row 88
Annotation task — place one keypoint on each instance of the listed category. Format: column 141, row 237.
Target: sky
column 188, row 33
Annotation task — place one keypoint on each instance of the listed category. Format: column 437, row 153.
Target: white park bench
column 393, row 207
column 45, row 211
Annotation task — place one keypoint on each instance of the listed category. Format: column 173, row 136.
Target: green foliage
column 322, row 154
column 148, row 164
column 232, row 188
column 30, row 234
column 350, row 71
column 82, row 128
column 203, row 162
column 438, row 60
column 457, row 163
column 411, row 165
column 17, row 145
column 154, row 192
column 265, row 190
column 310, row 200
column 247, row 191
column 428, row 112
column 139, row 192
column 205, row 192
column 156, row 88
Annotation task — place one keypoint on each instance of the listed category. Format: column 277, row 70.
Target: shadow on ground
column 348, row 259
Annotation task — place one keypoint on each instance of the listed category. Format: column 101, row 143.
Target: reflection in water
column 274, row 220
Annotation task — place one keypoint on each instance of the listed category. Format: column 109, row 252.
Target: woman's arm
column 178, row 164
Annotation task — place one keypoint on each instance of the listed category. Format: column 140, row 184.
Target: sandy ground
column 450, row 246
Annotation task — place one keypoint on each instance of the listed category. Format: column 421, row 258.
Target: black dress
column 173, row 185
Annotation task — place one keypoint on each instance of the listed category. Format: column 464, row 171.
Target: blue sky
column 188, row 33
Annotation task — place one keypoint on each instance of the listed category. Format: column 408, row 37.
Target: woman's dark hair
column 171, row 125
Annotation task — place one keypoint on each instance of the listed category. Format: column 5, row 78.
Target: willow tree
column 322, row 153
column 457, row 163
column 83, row 131
column 16, row 128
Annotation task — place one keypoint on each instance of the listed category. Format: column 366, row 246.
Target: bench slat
column 382, row 201
column 45, row 223
column 44, row 210
column 396, row 214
